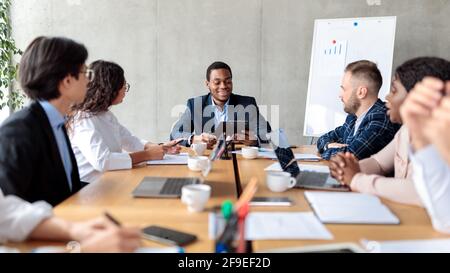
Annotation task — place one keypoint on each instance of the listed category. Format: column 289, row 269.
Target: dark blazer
column 199, row 117
column 30, row 163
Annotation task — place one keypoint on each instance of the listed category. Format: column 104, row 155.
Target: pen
column 112, row 219
column 177, row 141
column 180, row 140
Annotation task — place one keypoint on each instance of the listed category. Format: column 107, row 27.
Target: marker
column 112, row 219
column 227, row 209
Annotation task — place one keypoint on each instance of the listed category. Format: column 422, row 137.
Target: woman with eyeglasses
column 98, row 139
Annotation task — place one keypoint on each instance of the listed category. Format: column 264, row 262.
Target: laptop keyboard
column 173, row 185
column 312, row 178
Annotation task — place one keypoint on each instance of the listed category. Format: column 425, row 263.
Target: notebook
column 275, row 226
column 350, row 208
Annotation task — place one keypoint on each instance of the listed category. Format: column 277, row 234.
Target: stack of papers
column 307, row 157
column 272, row 155
column 179, row 159
column 303, row 167
column 276, row 226
column 409, row 246
column 350, row 208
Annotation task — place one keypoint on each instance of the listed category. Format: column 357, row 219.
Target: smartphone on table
column 168, row 236
column 271, row 201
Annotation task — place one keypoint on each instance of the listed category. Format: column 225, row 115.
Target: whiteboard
column 336, row 43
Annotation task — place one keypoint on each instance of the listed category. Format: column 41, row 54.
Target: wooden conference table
column 113, row 194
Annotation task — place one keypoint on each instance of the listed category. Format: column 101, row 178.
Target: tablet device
column 230, row 128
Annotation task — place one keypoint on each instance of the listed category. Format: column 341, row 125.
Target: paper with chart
column 179, row 159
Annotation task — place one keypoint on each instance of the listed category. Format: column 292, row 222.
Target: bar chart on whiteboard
column 332, row 62
column 336, row 43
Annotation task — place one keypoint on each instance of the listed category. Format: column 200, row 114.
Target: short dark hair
column 101, row 92
column 368, row 71
column 47, row 61
column 217, row 65
column 414, row 70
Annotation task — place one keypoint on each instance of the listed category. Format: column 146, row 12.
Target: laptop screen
column 284, row 153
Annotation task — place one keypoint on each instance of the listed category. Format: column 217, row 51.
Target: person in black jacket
column 204, row 113
column 36, row 158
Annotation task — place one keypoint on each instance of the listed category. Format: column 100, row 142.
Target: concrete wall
column 165, row 46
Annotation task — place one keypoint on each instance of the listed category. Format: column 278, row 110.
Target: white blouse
column 431, row 176
column 19, row 218
column 101, row 143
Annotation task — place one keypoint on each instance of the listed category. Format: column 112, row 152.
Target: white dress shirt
column 431, row 175
column 19, row 218
column 359, row 120
column 100, row 143
column 220, row 116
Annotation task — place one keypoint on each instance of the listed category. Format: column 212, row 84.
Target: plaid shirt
column 374, row 133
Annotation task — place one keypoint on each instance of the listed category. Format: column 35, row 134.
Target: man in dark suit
column 204, row 113
column 36, row 158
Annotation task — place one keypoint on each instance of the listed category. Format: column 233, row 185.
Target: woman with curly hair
column 98, row 139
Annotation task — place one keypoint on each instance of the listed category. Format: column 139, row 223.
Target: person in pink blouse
column 374, row 175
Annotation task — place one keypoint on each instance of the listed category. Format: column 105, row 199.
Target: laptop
column 305, row 179
column 170, row 187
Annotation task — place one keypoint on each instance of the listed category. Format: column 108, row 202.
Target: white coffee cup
column 195, row 196
column 197, row 163
column 250, row 152
column 279, row 181
column 199, row 148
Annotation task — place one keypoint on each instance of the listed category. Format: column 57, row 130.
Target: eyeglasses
column 89, row 73
column 127, row 87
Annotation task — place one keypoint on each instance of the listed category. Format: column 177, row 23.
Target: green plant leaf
column 8, row 68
